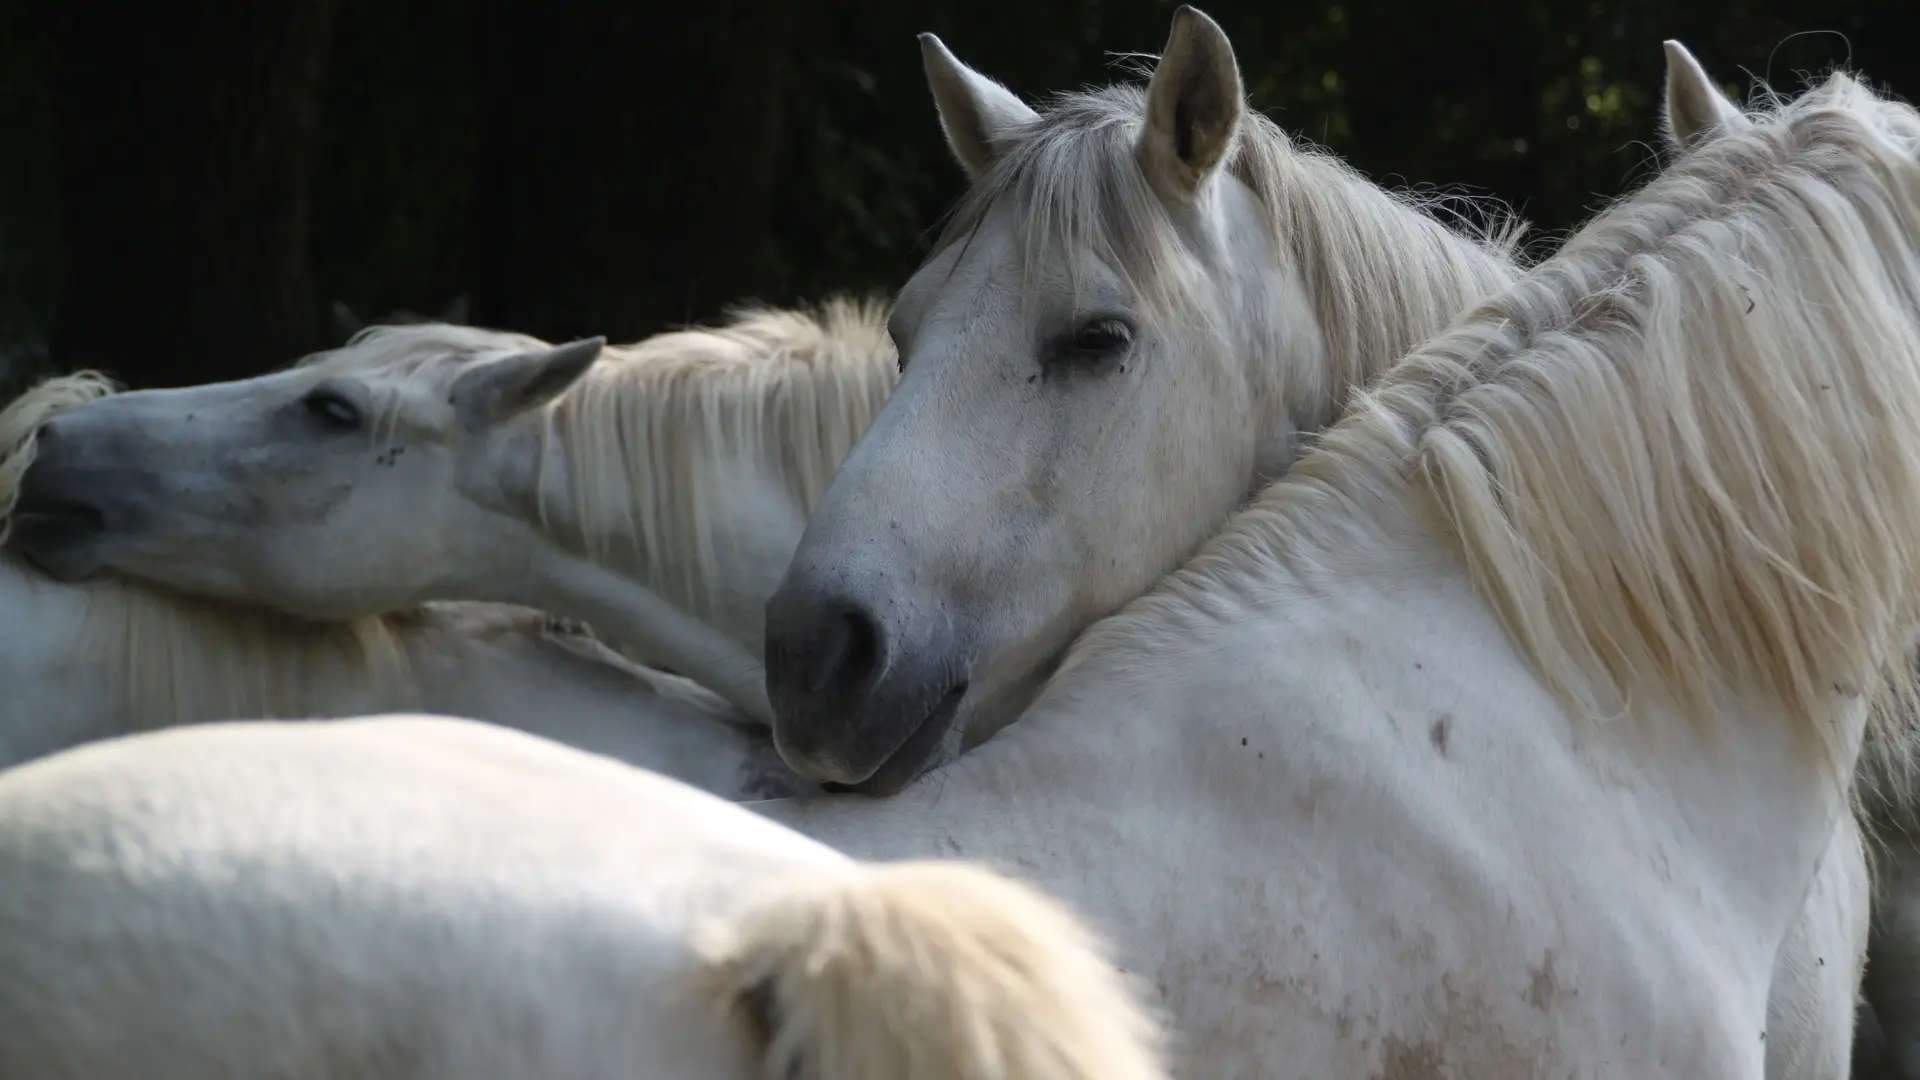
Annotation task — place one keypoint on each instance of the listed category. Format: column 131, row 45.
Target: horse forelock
column 414, row 350
column 1682, row 456
column 397, row 362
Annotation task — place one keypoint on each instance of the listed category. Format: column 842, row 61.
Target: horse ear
column 457, row 310
column 345, row 322
column 1695, row 110
column 1194, row 106
column 974, row 110
column 498, row 389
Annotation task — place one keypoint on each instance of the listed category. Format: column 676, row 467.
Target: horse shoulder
column 1389, row 748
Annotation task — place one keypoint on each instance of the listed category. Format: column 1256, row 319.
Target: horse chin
column 921, row 753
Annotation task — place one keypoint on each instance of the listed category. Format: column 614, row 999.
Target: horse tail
column 936, row 970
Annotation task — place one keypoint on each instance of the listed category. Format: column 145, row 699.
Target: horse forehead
column 958, row 268
column 1010, row 275
column 409, row 384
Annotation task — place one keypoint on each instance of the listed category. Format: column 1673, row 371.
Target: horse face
column 1057, row 442
column 315, row 491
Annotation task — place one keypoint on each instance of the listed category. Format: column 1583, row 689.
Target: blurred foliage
column 29, row 196
column 1548, row 104
column 400, row 167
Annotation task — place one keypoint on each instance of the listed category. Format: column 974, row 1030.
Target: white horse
column 1141, row 308
column 502, row 907
column 1501, row 737
column 83, row 662
column 1201, row 292
column 1315, row 275
column 656, row 494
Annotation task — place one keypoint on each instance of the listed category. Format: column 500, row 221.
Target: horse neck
column 1379, row 275
column 625, row 611
column 695, row 479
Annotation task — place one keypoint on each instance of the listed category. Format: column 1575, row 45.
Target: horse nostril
column 834, row 644
column 845, row 654
column 833, row 652
column 861, row 661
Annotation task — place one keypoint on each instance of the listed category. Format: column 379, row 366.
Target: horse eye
column 334, row 412
column 1101, row 337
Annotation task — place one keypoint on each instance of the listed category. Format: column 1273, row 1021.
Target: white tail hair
column 934, row 970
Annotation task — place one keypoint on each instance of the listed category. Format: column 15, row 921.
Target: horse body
column 1371, row 836
column 499, row 906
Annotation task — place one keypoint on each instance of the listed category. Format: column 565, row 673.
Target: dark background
column 187, row 185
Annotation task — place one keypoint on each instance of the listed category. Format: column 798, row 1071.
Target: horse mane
column 1382, row 269
column 183, row 658
column 1683, row 455
column 644, row 427
column 407, row 349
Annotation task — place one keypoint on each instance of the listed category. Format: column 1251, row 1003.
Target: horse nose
column 844, row 653
column 825, row 654
column 46, row 437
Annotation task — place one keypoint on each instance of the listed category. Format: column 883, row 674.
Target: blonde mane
column 1383, row 271
column 181, row 659
column 1683, row 455
column 644, row 427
